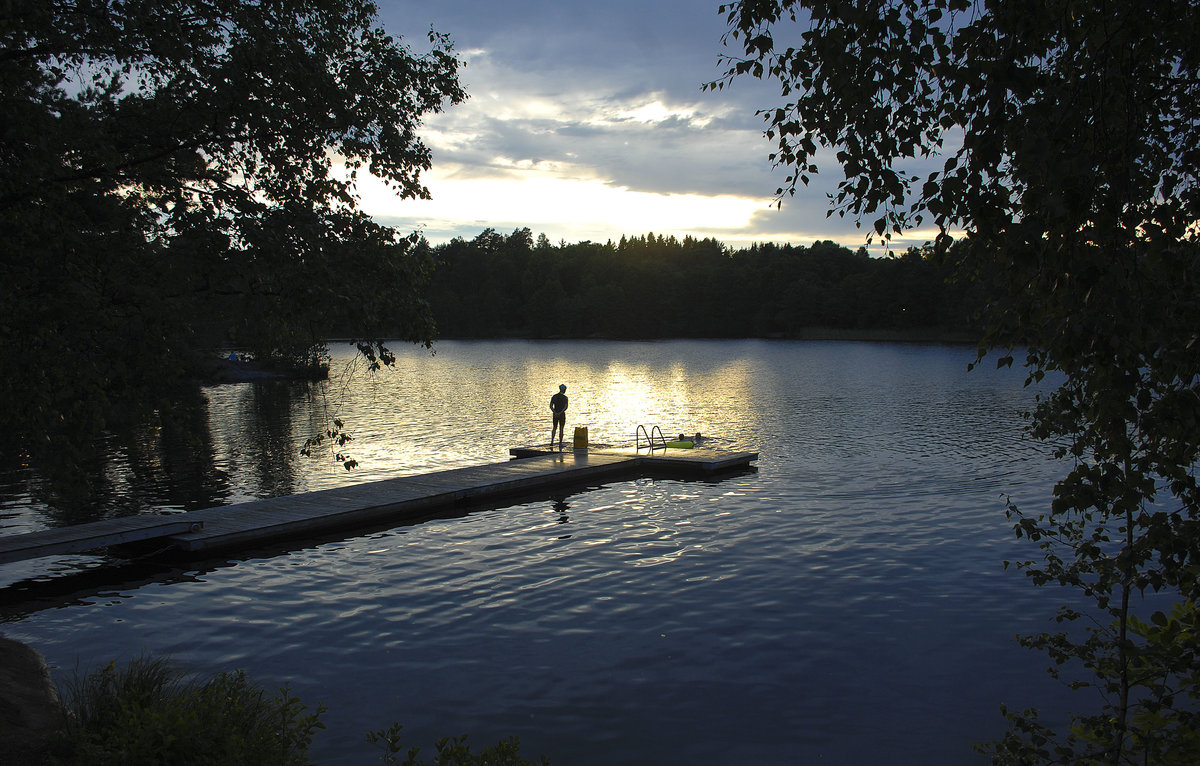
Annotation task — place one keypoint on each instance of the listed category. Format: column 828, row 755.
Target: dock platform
column 79, row 538
column 401, row 498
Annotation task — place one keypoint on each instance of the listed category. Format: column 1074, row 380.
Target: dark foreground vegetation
column 655, row 286
column 147, row 713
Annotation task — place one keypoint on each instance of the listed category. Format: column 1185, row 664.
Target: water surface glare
column 846, row 603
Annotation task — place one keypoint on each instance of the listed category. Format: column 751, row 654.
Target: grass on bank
column 148, row 713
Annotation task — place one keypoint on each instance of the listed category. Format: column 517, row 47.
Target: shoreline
column 225, row 370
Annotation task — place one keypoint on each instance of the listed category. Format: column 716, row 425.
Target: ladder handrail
column 661, row 438
column 641, row 429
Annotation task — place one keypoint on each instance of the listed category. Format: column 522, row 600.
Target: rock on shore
column 30, row 710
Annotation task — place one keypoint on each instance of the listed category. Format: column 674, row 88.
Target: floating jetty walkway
column 407, row 497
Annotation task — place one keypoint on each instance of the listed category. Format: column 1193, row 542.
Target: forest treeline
column 655, row 286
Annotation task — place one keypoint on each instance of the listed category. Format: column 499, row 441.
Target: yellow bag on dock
column 581, row 437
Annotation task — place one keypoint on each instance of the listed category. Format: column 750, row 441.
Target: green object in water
column 681, row 445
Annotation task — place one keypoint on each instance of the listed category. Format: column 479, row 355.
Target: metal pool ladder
column 655, row 431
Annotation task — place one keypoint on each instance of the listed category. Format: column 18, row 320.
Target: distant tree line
column 656, row 286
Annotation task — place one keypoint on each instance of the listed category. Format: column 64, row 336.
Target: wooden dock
column 406, row 497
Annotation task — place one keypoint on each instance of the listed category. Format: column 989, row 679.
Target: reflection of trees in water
column 260, row 434
column 195, row 453
column 177, row 461
column 168, row 461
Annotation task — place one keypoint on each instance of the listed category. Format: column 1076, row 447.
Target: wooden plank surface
column 79, row 538
column 396, row 497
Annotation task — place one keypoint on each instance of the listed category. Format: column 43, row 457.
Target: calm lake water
column 845, row 603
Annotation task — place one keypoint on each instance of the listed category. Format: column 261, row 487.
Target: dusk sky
column 586, row 121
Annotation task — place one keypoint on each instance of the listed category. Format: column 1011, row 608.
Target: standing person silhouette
column 558, row 405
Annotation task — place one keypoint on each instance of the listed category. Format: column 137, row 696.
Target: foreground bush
column 147, row 714
column 451, row 751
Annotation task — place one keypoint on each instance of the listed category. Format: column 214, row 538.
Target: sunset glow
column 534, row 198
column 592, row 130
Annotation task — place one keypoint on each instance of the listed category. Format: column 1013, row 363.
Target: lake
column 844, row 603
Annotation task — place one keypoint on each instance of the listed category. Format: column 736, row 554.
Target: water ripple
column 844, row 603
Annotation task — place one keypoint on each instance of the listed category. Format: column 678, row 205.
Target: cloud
column 587, row 121
column 545, row 198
